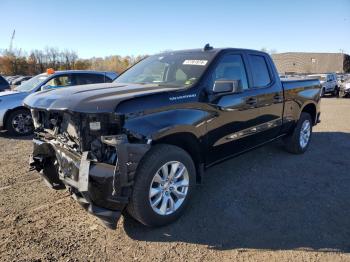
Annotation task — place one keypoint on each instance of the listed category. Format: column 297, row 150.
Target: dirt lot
column 266, row 205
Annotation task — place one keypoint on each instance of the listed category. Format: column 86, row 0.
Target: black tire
column 12, row 130
column 140, row 207
column 292, row 141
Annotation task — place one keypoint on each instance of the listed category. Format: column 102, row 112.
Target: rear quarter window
column 260, row 71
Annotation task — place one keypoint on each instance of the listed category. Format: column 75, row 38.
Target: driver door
column 237, row 114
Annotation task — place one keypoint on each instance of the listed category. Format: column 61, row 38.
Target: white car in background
column 329, row 83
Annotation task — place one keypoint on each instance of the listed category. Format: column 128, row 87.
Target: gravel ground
column 266, row 205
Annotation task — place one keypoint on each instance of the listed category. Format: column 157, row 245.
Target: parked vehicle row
column 140, row 144
column 329, row 83
column 334, row 84
column 19, row 80
column 17, row 120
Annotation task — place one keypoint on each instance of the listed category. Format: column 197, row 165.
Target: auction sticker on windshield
column 195, row 62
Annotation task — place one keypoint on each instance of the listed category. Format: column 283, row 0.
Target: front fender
column 160, row 124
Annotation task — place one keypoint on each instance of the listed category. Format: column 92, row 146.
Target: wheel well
column 10, row 111
column 311, row 109
column 191, row 145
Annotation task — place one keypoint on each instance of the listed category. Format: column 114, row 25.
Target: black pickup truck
column 141, row 143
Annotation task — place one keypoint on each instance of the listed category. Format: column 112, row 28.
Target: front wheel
column 19, row 123
column 298, row 141
column 163, row 186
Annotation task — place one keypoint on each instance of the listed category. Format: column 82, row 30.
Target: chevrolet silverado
column 141, row 143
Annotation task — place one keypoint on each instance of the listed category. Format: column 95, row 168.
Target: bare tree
column 18, row 62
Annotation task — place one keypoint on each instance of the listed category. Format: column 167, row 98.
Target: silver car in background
column 17, row 119
column 329, row 83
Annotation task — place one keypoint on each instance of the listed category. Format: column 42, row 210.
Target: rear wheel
column 163, row 186
column 298, row 141
column 19, row 123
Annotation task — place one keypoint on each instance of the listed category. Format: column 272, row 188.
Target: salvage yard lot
column 264, row 205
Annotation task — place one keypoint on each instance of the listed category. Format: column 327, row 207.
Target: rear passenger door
column 269, row 96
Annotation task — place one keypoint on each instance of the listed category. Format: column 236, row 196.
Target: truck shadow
column 269, row 199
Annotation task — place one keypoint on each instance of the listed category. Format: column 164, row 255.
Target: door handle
column 252, row 101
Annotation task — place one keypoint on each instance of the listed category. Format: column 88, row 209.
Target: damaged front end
column 91, row 155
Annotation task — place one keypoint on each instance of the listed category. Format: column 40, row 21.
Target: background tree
column 37, row 61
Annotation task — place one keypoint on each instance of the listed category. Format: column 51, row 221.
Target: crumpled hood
column 96, row 98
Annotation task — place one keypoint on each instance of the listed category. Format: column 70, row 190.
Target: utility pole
column 343, row 58
column 11, row 41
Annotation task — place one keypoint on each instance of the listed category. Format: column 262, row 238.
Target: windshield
column 170, row 69
column 32, row 83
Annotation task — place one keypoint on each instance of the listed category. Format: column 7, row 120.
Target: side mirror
column 227, row 86
column 46, row 87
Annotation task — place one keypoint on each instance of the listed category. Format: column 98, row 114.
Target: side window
column 231, row 67
column 85, row 79
column 60, row 81
column 260, row 71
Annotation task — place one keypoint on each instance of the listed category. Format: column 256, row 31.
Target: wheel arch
column 311, row 109
column 8, row 112
column 188, row 142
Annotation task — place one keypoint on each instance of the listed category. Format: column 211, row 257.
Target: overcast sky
column 101, row 28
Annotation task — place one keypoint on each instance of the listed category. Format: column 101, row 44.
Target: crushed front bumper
column 102, row 189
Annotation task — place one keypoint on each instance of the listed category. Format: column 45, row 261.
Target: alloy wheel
column 305, row 133
column 169, row 188
column 22, row 123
